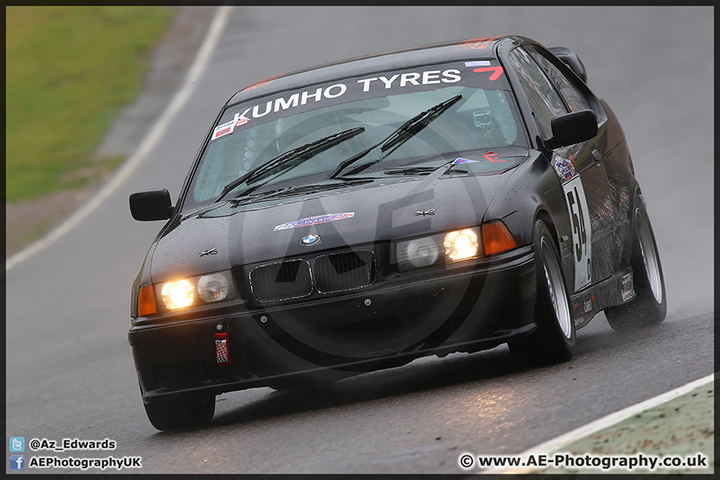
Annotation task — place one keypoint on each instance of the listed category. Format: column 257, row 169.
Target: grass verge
column 69, row 71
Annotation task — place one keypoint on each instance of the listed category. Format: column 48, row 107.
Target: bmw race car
column 362, row 214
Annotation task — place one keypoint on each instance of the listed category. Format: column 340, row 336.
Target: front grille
column 281, row 281
column 344, row 271
column 336, row 272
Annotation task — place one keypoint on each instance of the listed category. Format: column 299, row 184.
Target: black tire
column 554, row 339
column 649, row 306
column 181, row 412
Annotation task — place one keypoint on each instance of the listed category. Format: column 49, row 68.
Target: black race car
column 359, row 215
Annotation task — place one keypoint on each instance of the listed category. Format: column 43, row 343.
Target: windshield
column 477, row 121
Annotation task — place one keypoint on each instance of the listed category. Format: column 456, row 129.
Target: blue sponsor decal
column 460, row 161
column 304, row 222
column 564, row 167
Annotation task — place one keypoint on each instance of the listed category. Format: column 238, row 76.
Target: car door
column 579, row 167
column 578, row 97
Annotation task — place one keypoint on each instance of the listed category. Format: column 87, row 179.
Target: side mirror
column 572, row 128
column 151, row 205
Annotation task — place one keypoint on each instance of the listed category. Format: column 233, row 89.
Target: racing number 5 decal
column 581, row 231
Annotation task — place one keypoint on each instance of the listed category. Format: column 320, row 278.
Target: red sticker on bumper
column 221, row 349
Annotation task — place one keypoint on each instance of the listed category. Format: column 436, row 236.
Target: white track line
column 600, row 424
column 151, row 139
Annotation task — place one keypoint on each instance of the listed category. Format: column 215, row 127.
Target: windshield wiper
column 418, row 170
column 318, row 187
column 402, row 134
column 284, row 192
column 248, row 197
column 299, row 154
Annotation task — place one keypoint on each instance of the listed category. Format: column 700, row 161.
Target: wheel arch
column 543, row 215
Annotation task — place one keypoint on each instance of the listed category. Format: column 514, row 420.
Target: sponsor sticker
column 627, row 287
column 304, row 222
column 564, row 167
column 224, row 129
column 228, row 127
column 478, row 63
column 496, row 71
column 475, row 43
column 221, row 349
column 493, row 157
column 460, row 161
column 262, row 83
column 295, row 100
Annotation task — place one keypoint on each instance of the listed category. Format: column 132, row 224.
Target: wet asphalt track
column 69, row 368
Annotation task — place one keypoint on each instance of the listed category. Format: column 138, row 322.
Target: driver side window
column 572, row 95
column 544, row 99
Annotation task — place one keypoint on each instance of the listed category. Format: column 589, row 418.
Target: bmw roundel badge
column 309, row 240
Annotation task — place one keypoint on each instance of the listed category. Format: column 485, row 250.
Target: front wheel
column 181, row 412
column 554, row 338
column 649, row 305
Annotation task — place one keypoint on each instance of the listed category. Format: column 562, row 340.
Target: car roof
column 475, row 48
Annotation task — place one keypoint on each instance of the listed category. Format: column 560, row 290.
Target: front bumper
column 390, row 323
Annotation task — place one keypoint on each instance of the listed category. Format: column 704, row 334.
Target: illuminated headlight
column 461, row 244
column 197, row 290
column 446, row 247
column 177, row 294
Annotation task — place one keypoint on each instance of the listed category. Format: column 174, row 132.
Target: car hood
column 227, row 235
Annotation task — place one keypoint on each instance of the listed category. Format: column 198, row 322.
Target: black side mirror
column 151, row 205
column 572, row 128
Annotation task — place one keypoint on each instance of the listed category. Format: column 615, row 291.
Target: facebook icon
column 17, row 462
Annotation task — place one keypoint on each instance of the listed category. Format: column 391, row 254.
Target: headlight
column 454, row 246
column 214, row 287
column 451, row 246
column 461, row 244
column 177, row 294
column 422, row 252
column 186, row 292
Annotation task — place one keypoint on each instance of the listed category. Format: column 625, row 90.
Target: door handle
column 597, row 156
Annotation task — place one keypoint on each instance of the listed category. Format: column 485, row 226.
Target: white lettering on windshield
column 341, row 86
column 256, row 110
column 295, row 100
column 305, row 95
column 285, row 104
column 453, row 77
column 388, row 83
column 428, row 77
column 409, row 77
column 426, row 80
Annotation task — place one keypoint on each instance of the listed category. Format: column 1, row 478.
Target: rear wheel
column 554, row 338
column 181, row 412
column 649, row 305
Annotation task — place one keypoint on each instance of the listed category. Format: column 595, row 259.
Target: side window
column 543, row 98
column 572, row 95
